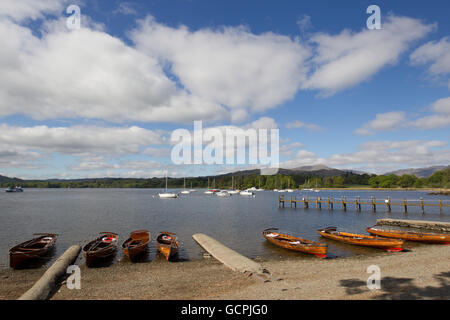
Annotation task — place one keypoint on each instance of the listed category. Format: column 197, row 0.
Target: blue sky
column 103, row 100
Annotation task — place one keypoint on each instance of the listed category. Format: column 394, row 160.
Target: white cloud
column 436, row 54
column 30, row 9
column 87, row 73
column 440, row 118
column 230, row 66
column 214, row 75
column 442, row 106
column 263, row 123
column 300, row 124
column 288, row 150
column 99, row 163
column 394, row 120
column 383, row 122
column 126, row 8
column 79, row 140
column 379, row 155
column 346, row 59
column 304, row 23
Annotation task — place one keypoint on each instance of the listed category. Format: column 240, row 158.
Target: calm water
column 78, row 215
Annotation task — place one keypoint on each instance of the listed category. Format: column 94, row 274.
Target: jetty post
column 388, row 204
column 421, row 206
column 405, row 205
column 344, row 204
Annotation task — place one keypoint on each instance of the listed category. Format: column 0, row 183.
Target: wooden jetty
column 357, row 203
column 439, row 226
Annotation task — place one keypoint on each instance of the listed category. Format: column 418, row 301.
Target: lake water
column 78, row 215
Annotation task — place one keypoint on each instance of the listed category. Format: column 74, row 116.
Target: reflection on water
column 78, row 215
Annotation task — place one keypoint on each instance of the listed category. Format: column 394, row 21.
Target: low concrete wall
column 420, row 224
column 227, row 256
column 49, row 280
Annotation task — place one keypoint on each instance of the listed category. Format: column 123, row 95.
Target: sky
column 103, row 99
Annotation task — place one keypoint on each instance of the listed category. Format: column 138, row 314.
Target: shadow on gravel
column 402, row 288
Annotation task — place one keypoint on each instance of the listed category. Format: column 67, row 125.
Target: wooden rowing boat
column 29, row 250
column 361, row 239
column 290, row 242
column 136, row 244
column 167, row 244
column 425, row 237
column 101, row 248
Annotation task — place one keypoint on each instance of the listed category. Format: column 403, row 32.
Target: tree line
column 439, row 179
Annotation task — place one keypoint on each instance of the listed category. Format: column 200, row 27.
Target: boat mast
column 166, row 180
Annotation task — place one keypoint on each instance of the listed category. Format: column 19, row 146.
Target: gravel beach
column 422, row 273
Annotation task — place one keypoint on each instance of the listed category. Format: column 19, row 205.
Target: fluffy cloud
column 89, row 74
column 288, row 150
column 78, row 140
column 175, row 74
column 378, row 155
column 436, row 54
column 388, row 121
column 300, row 124
column 99, row 163
column 344, row 60
column 30, row 9
column 383, row 122
column 440, row 118
column 230, row 66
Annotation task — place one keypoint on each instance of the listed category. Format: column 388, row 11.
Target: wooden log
column 42, row 289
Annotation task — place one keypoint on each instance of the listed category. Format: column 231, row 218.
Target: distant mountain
column 4, row 179
column 418, row 172
column 316, row 170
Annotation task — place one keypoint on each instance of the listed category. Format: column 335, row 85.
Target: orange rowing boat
column 136, row 244
column 167, row 244
column 361, row 239
column 425, row 237
column 290, row 242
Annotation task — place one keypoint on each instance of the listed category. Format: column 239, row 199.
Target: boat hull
column 167, row 244
column 25, row 252
column 168, row 195
column 97, row 251
column 411, row 236
column 136, row 245
column 362, row 240
column 295, row 243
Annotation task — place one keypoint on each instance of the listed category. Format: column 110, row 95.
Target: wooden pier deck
column 358, row 203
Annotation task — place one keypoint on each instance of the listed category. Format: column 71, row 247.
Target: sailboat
column 166, row 194
column 214, row 190
column 184, row 187
column 307, row 189
column 233, row 191
column 192, row 190
column 259, row 184
column 281, row 186
column 208, row 191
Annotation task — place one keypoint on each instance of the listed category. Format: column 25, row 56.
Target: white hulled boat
column 167, row 195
